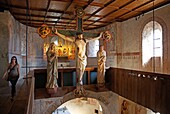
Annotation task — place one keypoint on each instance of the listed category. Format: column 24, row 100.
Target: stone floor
column 19, row 105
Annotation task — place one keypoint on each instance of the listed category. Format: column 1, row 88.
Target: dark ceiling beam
column 35, row 15
column 112, row 12
column 16, row 13
column 82, row 2
column 120, row 20
column 28, row 16
column 105, row 5
column 8, row 3
column 2, row 5
column 64, row 11
column 88, row 3
column 157, row 6
column 35, row 20
column 143, row 12
column 38, row 13
column 35, row 9
column 44, row 10
column 49, row 17
column 146, row 3
column 39, row 24
column 50, row 10
column 84, row 7
column 74, row 1
column 133, row 10
column 48, row 5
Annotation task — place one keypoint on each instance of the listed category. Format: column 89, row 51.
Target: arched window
column 152, row 44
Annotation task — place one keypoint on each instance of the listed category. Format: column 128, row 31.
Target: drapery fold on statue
column 52, row 70
column 101, row 67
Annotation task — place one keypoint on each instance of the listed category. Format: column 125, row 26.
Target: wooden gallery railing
column 151, row 90
column 31, row 95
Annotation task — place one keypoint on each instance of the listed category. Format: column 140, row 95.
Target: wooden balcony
column 151, row 90
column 148, row 89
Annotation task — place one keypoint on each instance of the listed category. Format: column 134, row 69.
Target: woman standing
column 13, row 75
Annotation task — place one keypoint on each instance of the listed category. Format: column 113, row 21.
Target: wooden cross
column 79, row 14
column 79, row 25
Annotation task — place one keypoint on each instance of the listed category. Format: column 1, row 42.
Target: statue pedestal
column 100, row 87
column 79, row 91
column 51, row 91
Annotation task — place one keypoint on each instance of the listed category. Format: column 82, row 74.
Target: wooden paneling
column 151, row 90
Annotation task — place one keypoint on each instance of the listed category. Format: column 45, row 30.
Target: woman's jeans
column 13, row 87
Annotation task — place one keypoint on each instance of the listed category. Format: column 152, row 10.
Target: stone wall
column 4, row 39
column 18, row 44
column 13, row 43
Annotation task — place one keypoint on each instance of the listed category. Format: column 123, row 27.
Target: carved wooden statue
column 52, row 71
column 81, row 58
column 101, row 60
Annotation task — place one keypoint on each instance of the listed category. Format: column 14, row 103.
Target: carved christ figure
column 81, row 58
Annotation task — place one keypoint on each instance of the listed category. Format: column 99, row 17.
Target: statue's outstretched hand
column 55, row 31
column 101, row 34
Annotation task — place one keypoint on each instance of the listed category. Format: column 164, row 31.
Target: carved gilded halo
column 80, row 12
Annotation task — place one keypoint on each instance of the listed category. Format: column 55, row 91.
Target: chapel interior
column 137, row 77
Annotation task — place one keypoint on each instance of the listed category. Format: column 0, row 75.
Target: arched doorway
column 80, row 106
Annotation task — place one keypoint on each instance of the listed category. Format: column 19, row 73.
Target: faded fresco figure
column 124, row 107
column 52, row 69
column 101, row 60
column 81, row 58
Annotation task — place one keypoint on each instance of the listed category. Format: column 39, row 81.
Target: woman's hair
column 14, row 57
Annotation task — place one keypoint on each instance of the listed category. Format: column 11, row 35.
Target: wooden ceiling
column 61, row 13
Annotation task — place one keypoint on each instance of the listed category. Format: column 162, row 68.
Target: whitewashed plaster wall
column 110, row 46
column 131, row 39
column 13, row 43
column 17, row 45
column 4, row 39
column 125, row 51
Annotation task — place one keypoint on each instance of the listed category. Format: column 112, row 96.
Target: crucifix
column 79, row 15
column 80, row 44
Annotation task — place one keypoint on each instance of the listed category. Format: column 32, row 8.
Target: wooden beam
column 108, row 3
column 64, row 11
column 112, row 12
column 48, row 4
